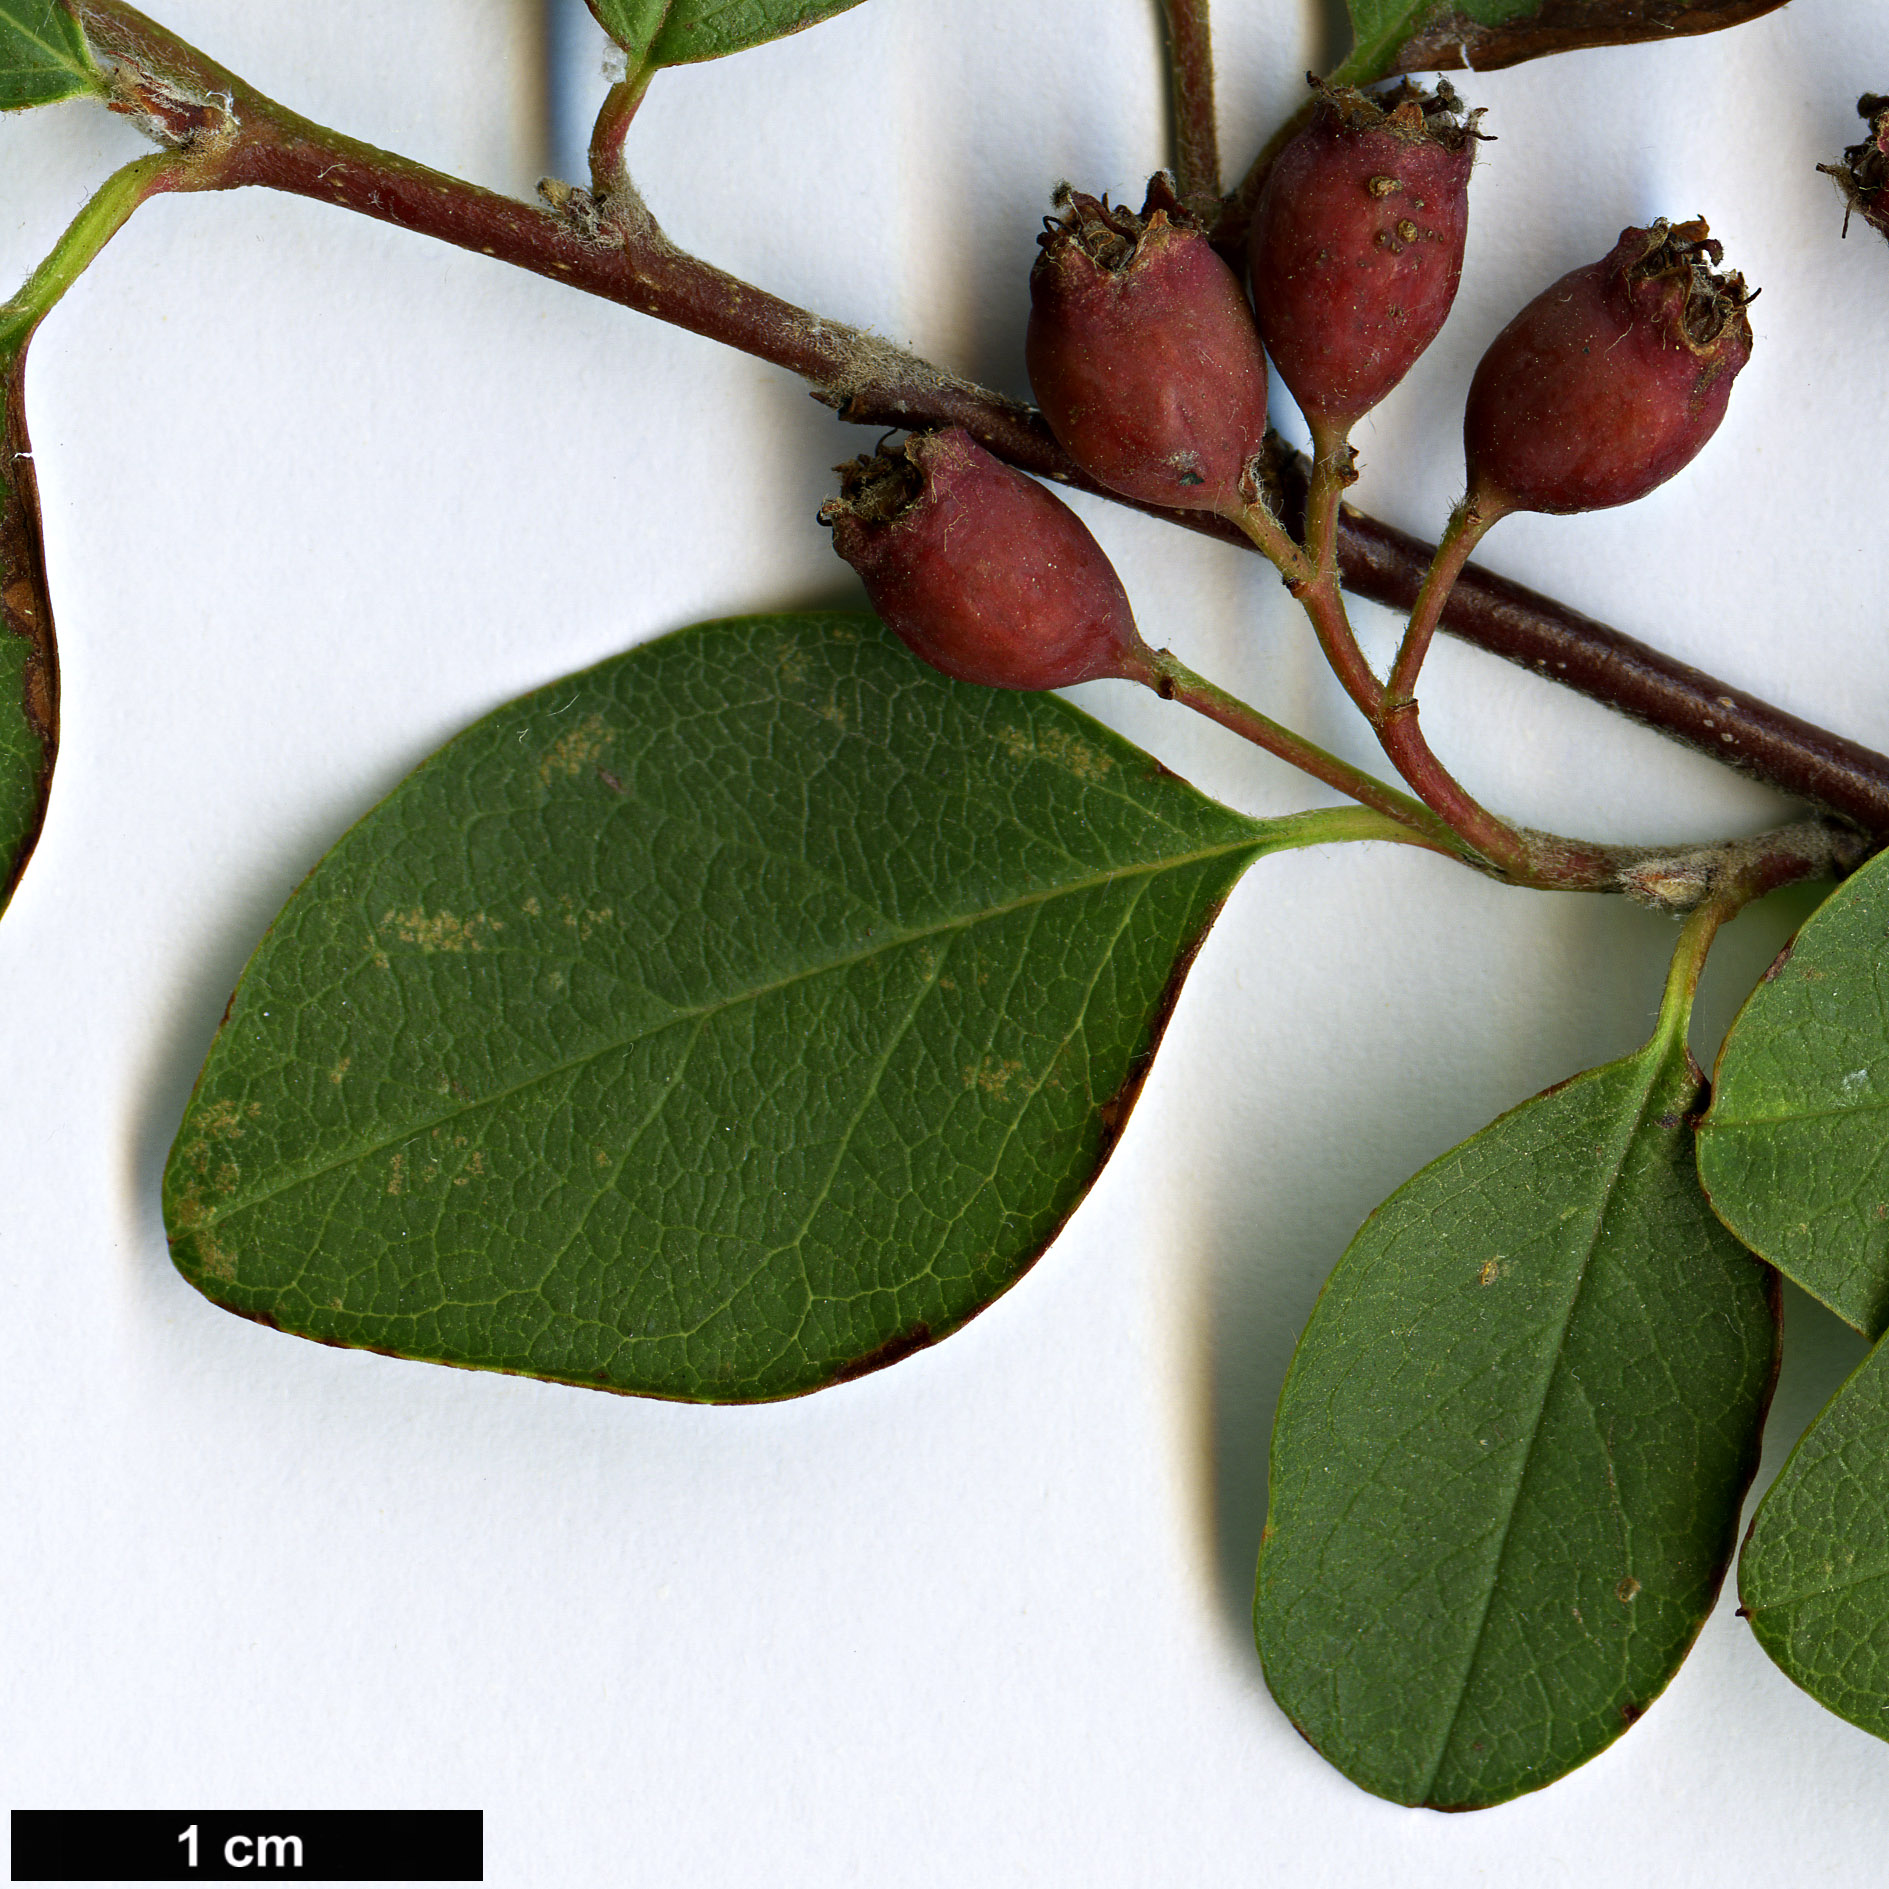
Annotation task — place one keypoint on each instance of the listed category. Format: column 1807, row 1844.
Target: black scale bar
column 248, row 1845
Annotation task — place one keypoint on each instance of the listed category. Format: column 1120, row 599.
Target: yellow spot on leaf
column 991, row 1076
column 219, row 1119
column 218, row 1261
column 581, row 918
column 576, row 749
column 442, row 930
column 1060, row 748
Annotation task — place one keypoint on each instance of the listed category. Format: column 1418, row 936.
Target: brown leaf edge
column 1449, row 41
column 26, row 603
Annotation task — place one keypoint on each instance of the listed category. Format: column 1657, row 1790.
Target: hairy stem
column 101, row 219
column 1466, row 528
column 234, row 135
column 608, row 173
column 1196, row 137
column 1325, row 606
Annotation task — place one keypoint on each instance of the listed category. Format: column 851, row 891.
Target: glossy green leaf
column 29, row 666
column 43, row 55
column 677, row 32
column 722, row 1022
column 1394, row 36
column 1814, row 1576
column 1512, row 1446
column 1795, row 1152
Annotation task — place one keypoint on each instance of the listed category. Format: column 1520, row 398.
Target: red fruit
column 985, row 575
column 1356, row 244
column 1610, row 381
column 1863, row 176
column 1142, row 352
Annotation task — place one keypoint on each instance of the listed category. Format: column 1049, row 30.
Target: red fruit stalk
column 1863, row 176
column 983, row 573
column 1356, row 245
column 1142, row 352
column 1609, row 382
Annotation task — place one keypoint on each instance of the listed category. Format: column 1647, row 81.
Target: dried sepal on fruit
column 1863, row 176
column 1356, row 244
column 1142, row 351
column 985, row 574
column 1609, row 381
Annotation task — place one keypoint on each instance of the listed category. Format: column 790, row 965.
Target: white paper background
column 318, row 494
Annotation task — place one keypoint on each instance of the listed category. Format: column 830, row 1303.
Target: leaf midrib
column 61, row 56
column 1255, row 844
column 1878, row 1573
column 1795, row 1115
column 1595, row 1223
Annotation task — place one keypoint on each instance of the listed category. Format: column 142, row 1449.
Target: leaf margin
column 192, row 1240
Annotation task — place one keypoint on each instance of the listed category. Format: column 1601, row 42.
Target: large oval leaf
column 29, row 668
column 1434, row 35
column 1814, row 1576
column 1795, row 1152
column 677, row 32
column 725, row 1021
column 1512, row 1446
column 43, row 54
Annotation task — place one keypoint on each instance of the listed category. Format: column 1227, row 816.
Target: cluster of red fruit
column 1149, row 363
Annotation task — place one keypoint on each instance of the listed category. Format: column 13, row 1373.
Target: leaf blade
column 712, row 29
column 783, row 1002
column 43, row 55
column 1479, row 1564
column 29, row 661
column 1393, row 36
column 1813, row 1579
column 1794, row 1154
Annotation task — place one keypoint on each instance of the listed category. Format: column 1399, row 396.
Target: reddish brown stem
column 1172, row 679
column 184, row 98
column 607, row 171
column 1403, row 741
column 1322, row 603
column 1522, row 626
column 1196, row 136
column 1466, row 530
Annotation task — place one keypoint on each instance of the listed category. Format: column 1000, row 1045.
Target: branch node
column 581, row 213
column 168, row 112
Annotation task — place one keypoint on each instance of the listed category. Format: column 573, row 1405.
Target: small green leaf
column 43, row 55
column 1814, row 1576
column 727, row 1020
column 710, row 29
column 633, row 24
column 1795, row 1152
column 1392, row 36
column 29, row 663
column 1512, row 1446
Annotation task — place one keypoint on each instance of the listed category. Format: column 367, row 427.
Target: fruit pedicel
column 1150, row 364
